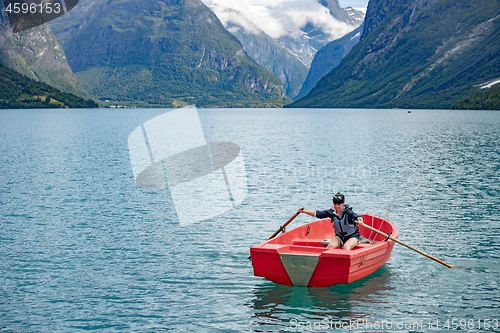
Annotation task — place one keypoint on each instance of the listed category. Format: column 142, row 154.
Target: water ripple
column 82, row 248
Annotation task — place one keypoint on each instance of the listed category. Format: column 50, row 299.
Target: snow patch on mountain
column 300, row 26
column 490, row 84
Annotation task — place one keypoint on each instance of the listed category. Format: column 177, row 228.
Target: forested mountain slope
column 416, row 54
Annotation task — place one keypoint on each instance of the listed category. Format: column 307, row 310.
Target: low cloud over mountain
column 284, row 35
column 280, row 18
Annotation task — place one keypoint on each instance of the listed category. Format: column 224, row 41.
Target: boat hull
column 297, row 258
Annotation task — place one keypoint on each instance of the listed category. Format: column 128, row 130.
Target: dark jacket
column 344, row 225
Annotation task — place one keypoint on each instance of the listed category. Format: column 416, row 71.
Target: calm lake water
column 83, row 248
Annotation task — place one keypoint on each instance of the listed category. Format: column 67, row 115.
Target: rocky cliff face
column 328, row 58
column 416, row 54
column 272, row 56
column 347, row 15
column 37, row 54
column 167, row 52
column 288, row 48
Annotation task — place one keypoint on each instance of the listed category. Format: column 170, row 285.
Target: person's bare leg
column 335, row 243
column 350, row 244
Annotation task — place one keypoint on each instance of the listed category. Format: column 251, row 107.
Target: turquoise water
column 83, row 248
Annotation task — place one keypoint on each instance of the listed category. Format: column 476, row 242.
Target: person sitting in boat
column 344, row 222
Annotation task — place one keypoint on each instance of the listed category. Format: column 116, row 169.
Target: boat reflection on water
column 275, row 304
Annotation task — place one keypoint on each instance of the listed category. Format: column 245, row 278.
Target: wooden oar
column 404, row 244
column 282, row 228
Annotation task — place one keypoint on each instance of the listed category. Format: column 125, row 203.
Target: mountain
column 415, row 54
column 271, row 55
column 328, row 58
column 19, row 92
column 162, row 53
column 36, row 54
column 284, row 36
column 347, row 14
column 489, row 99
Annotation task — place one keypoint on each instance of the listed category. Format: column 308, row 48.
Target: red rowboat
column 298, row 257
